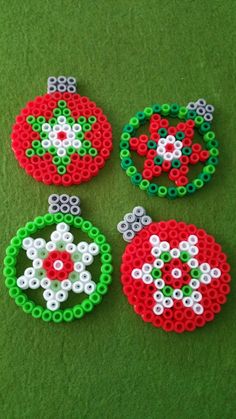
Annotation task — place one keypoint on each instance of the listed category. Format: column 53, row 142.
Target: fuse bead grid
column 175, row 276
column 62, row 138
column 58, row 267
column 169, row 149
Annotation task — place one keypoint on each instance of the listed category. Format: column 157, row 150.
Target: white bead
column 205, row 268
column 76, row 128
column 147, row 278
column 52, row 135
column 67, row 237
column 76, row 144
column 178, row 145
column 154, row 240
column 136, row 273
column 66, row 285
column 156, row 252
column 85, row 276
column 61, row 152
column 82, row 247
column 66, row 143
column 22, row 282
column 194, row 283
column 215, row 273
column 147, row 268
column 93, row 249
column 29, row 273
column 178, row 294
column 187, row 301
column 61, row 119
column 193, row 263
column 162, row 142
column 175, row 253
column 79, row 267
column 71, row 135
column 177, row 154
column 168, row 156
column 193, row 250
column 158, row 309
column 159, row 283
column 158, row 263
column 184, row 246
column 34, row 283
column 53, row 305
column 37, row 263
column 56, row 143
column 45, row 283
column 198, row 308
column 61, row 296
column 89, row 287
column 205, row 279
column 87, row 259
column 27, row 243
column 170, row 139
column 48, row 294
column 77, row 287
column 176, row 273
column 66, row 128
column 50, row 246
column 57, row 128
column 62, row 227
column 46, row 144
column 46, row 127
column 71, row 248
column 58, row 265
column 168, row 302
column 39, row 243
column 193, row 239
column 56, row 236
column 161, row 150
column 31, row 253
column 164, row 246
column 158, row 296
column 196, row 296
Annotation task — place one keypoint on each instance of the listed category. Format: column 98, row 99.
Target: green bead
column 86, row 226
column 70, row 150
column 87, row 305
column 87, row 144
column 182, row 112
column 81, row 120
column 92, row 119
column 70, row 120
column 128, row 128
column 105, row 247
column 124, row 145
column 144, row 185
column 190, row 188
column 124, row 154
column 166, row 257
column 22, row 233
column 125, row 163
column 10, row 282
column 31, row 227
column 212, row 144
column 174, row 109
column 213, row 160
column 29, row 152
column 184, row 256
column 172, row 192
column 82, row 151
column 12, row 251
column 66, row 112
column 9, row 271
column 156, row 273
column 57, row 316
column 61, row 170
column 148, row 112
column 37, row 312
column 57, row 112
column 125, row 136
column 136, row 179
column 141, row 117
column 162, row 132
column 36, row 144
column 205, row 127
column 131, row 171
column 43, row 135
column 167, row 291
column 181, row 191
column 48, row 219
column 9, row 261
column 39, row 222
column 95, row 298
column 93, row 152
column 158, row 160
column 187, row 151
column 180, row 135
column 198, row 183
column 152, row 144
column 198, row 121
column 101, row 288
column 156, row 108
column 165, row 109
column 78, row 221
column 176, row 163
column 205, row 177
column 68, row 315
column 68, row 218
column 106, row 258
column 20, row 300
column 134, row 122
column 36, row 127
column 56, row 160
column 78, row 311
column 52, row 150
column 214, row 152
column 58, row 218
column 61, row 104
column 106, row 268
column 47, row 315
column 187, row 290
column 41, row 120
column 28, row 307
column 152, row 189
column 40, row 151
column 195, row 273
column 65, row 160
column 162, row 191
column 30, row 119
column 80, row 135
column 210, row 169
column 93, row 232
column 209, row 136
column 74, row 276
column 86, row 127
column 105, row 279
column 191, row 115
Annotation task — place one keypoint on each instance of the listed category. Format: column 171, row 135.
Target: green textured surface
column 126, row 55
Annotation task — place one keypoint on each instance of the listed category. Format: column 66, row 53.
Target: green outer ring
column 171, row 192
column 37, row 311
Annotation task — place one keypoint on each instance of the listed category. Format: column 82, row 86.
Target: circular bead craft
column 169, row 149
column 62, row 137
column 58, row 265
column 175, row 275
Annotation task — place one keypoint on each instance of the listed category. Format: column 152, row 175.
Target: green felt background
column 126, row 55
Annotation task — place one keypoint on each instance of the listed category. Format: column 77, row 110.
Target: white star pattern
column 169, row 148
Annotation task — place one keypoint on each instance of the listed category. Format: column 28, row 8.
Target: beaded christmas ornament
column 61, row 137
column 170, row 149
column 174, row 274
column 57, row 264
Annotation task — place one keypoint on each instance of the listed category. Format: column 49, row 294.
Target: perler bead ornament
column 170, row 150
column 174, row 274
column 62, row 137
column 58, row 263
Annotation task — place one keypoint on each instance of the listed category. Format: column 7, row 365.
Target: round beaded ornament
column 61, row 137
column 175, row 275
column 170, row 150
column 58, row 264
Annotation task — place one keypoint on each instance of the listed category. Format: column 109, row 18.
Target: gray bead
column 71, row 80
column 53, row 199
column 122, row 226
column 210, row 108
column 65, row 208
column 74, row 200
column 52, row 80
column 139, row 211
column 201, row 102
column 53, row 208
column 71, row 88
column 51, row 88
column 208, row 117
column 61, row 88
column 191, row 106
column 136, row 227
column 64, row 198
column 75, row 210
column 61, row 80
column 200, row 111
column 146, row 220
column 128, row 235
column 130, row 217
